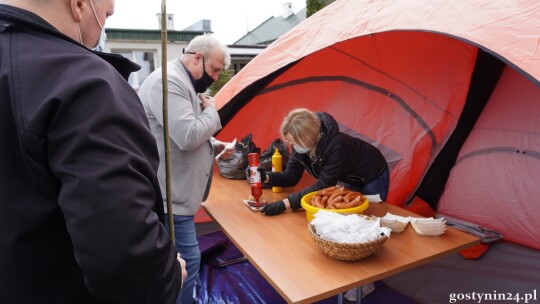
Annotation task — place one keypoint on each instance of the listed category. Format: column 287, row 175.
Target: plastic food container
column 311, row 210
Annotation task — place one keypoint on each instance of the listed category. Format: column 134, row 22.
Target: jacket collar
column 17, row 17
column 329, row 129
column 15, row 14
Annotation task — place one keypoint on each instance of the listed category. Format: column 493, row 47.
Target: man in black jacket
column 80, row 206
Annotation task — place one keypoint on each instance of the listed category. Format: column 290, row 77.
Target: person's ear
column 76, row 9
column 198, row 57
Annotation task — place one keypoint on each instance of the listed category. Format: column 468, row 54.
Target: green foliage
column 313, row 6
column 224, row 77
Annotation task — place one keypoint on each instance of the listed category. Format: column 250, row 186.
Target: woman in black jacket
column 330, row 156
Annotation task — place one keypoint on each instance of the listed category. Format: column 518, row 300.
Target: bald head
column 81, row 20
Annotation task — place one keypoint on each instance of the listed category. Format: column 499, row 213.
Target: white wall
column 173, row 49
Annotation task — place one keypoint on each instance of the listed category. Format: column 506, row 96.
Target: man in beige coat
column 193, row 120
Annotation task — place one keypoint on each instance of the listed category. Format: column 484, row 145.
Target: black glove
column 247, row 173
column 274, row 208
column 263, row 174
column 261, row 171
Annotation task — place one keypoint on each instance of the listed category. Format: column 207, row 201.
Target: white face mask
column 101, row 43
column 300, row 149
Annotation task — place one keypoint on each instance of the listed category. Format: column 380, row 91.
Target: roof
column 145, row 34
column 243, row 50
column 272, row 29
column 204, row 25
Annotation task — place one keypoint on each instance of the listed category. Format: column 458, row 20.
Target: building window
column 146, row 59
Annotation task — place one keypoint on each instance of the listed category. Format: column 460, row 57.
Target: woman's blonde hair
column 304, row 126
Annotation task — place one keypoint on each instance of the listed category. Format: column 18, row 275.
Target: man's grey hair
column 207, row 44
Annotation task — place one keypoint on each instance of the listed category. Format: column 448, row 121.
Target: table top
column 280, row 247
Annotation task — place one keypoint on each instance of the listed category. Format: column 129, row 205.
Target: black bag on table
column 235, row 166
column 266, row 156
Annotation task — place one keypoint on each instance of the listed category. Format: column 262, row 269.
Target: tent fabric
column 506, row 268
column 484, row 23
column 496, row 179
column 376, row 97
column 404, row 75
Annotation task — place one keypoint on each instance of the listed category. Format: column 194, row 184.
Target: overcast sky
column 231, row 19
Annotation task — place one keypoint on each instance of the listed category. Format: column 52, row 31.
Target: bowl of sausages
column 335, row 199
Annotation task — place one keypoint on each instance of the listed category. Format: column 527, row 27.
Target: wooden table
column 280, row 247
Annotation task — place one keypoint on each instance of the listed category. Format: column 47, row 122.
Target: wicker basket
column 346, row 251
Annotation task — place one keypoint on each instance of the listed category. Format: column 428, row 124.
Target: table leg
column 358, row 291
column 358, row 294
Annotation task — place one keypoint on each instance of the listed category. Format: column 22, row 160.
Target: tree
column 313, row 6
column 223, row 78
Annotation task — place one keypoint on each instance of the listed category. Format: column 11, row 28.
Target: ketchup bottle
column 255, row 177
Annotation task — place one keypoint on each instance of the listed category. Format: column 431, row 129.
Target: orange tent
column 413, row 78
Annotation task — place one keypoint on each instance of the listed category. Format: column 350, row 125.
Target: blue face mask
column 300, row 149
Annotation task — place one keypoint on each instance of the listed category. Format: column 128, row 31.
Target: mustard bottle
column 277, row 166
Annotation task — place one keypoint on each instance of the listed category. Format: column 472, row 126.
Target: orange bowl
column 311, row 210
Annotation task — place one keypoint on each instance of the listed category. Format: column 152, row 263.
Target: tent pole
column 166, row 118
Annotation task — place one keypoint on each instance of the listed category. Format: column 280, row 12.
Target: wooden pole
column 166, row 117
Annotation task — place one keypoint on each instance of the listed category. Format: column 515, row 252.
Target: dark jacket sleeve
column 331, row 169
column 290, row 176
column 105, row 159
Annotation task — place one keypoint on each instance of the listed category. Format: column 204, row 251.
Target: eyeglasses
column 188, row 52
